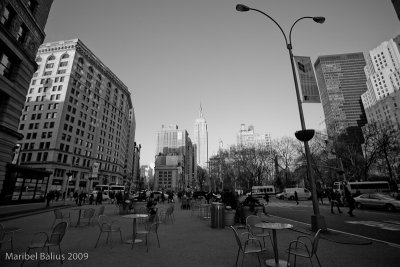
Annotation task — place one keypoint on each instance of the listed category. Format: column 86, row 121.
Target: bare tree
column 286, row 153
column 388, row 145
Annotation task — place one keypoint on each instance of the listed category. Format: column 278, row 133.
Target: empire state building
column 201, row 140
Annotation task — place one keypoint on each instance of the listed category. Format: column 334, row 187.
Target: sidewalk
column 21, row 210
column 189, row 241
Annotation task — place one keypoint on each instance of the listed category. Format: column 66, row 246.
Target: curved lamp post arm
column 277, row 24
column 291, row 28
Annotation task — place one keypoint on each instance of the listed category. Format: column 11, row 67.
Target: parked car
column 378, row 201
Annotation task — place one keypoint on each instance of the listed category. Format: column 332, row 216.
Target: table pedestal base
column 273, row 263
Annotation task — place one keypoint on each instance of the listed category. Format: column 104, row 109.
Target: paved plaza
column 188, row 241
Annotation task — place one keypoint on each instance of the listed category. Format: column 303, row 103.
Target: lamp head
column 319, row 19
column 242, row 8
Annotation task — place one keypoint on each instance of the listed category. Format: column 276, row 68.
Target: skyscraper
column 22, row 26
column 78, row 120
column 248, row 138
column 341, row 82
column 201, row 140
column 381, row 101
column 175, row 147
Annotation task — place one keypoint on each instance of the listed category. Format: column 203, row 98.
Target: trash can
column 217, row 215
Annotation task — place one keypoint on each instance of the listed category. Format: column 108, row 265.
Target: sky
column 174, row 55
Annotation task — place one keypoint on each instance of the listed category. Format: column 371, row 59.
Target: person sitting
column 151, row 206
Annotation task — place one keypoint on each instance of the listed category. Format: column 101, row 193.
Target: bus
column 102, row 187
column 117, row 188
column 259, row 191
column 358, row 188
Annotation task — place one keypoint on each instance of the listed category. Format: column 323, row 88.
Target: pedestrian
column 76, row 195
column 171, row 197
column 266, row 197
column 335, row 197
column 64, row 195
column 350, row 201
column 99, row 197
column 296, row 197
column 162, row 197
column 81, row 197
column 91, row 198
column 49, row 197
column 320, row 196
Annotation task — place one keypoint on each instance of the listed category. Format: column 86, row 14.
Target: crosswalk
column 386, row 225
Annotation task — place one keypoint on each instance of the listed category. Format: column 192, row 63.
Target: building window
column 6, row 63
column 64, row 63
column 21, row 34
column 61, row 71
column 65, row 56
column 31, row 5
column 7, row 16
column 52, row 57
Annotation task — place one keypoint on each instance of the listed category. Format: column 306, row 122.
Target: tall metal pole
column 317, row 221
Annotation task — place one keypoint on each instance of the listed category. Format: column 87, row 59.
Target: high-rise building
column 382, row 99
column 201, row 140
column 22, row 26
column 341, row 81
column 174, row 142
column 78, row 121
column 249, row 138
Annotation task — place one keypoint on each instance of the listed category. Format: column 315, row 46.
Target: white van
column 302, row 193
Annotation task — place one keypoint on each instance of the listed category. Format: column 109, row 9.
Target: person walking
column 335, row 197
column 320, row 196
column 350, row 201
column 296, row 197
column 49, row 198
column 266, row 197
column 99, row 197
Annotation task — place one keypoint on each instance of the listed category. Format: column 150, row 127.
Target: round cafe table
column 134, row 217
column 276, row 262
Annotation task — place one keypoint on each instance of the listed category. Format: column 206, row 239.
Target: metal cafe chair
column 300, row 248
column 42, row 240
column 58, row 215
column 251, row 221
column 109, row 227
column 151, row 226
column 251, row 245
column 4, row 238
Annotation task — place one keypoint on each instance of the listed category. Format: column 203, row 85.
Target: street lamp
column 317, row 220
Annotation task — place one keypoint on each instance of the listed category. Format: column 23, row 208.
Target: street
column 375, row 224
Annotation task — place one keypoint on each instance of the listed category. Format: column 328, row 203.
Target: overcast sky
column 175, row 54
